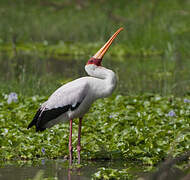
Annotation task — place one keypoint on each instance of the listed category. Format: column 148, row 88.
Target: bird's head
column 97, row 58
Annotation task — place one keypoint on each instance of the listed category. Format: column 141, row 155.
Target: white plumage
column 84, row 90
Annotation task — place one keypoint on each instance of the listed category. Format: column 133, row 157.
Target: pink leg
column 70, row 144
column 79, row 134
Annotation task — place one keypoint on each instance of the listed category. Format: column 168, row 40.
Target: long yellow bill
column 103, row 50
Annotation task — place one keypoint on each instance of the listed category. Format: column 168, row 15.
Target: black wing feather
column 48, row 115
column 44, row 116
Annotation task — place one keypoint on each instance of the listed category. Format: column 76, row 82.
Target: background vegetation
column 156, row 34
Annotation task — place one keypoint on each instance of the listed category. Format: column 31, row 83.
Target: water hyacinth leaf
column 119, row 127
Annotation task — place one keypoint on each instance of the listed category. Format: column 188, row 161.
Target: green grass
column 150, row 26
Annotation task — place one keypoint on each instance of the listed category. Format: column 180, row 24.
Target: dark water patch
column 59, row 168
column 41, row 75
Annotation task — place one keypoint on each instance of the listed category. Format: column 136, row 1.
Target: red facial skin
column 95, row 61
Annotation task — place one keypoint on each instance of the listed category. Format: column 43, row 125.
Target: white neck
column 104, row 82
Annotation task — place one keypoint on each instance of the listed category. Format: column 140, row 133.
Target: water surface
column 42, row 75
column 57, row 168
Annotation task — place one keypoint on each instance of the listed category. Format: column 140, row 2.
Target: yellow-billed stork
column 74, row 99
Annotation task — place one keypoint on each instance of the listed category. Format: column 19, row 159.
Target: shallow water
column 55, row 168
column 58, row 169
column 135, row 74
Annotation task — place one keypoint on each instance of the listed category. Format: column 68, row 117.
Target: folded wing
column 65, row 99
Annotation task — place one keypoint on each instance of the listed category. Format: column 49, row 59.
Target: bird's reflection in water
column 69, row 174
column 76, row 173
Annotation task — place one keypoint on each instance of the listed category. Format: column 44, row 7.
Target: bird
column 74, row 99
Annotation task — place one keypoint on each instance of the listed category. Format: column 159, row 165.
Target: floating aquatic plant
column 171, row 113
column 12, row 97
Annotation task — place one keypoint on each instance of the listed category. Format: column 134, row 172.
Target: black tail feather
column 35, row 119
column 43, row 116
